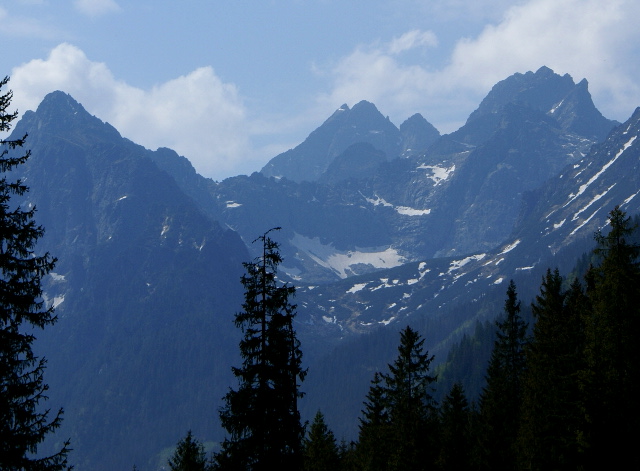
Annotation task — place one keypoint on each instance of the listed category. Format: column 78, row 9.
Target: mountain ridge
column 150, row 253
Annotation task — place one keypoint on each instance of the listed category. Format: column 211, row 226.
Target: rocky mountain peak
column 539, row 90
column 417, row 135
column 362, row 123
column 59, row 113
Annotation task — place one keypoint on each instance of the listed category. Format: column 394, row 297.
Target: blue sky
column 230, row 84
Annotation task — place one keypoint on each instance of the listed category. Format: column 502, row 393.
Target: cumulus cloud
column 411, row 40
column 585, row 38
column 95, row 8
column 377, row 74
column 197, row 114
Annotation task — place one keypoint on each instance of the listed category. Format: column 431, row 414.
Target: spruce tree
column 189, row 455
column 320, row 451
column 500, row 399
column 262, row 416
column 610, row 381
column 411, row 407
column 374, row 438
column 455, row 431
column 399, row 427
column 550, row 412
column 24, row 424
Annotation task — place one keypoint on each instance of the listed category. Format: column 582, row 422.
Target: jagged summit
column 59, row 112
column 59, row 102
column 417, row 135
column 544, row 92
column 540, row 90
column 309, row 160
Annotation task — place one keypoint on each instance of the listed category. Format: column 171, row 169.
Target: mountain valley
column 382, row 226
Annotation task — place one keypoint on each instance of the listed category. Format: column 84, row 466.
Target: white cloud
column 585, row 38
column 411, row 40
column 95, row 8
column 197, row 114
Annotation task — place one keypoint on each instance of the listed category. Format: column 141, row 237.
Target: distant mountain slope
column 150, row 253
column 445, row 297
column 145, row 286
column 463, row 194
column 566, row 210
column 310, row 159
column 545, row 91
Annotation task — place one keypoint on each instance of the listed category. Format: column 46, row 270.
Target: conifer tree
column 23, row 423
column 189, row 455
column 262, row 415
column 455, row 431
column 500, row 399
column 411, row 407
column 550, row 413
column 320, row 451
column 400, row 417
column 373, row 447
column 610, row 381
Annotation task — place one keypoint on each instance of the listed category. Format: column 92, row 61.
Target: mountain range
column 381, row 226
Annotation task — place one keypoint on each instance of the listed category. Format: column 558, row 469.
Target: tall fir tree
column 550, row 413
column 610, row 381
column 455, row 431
column 400, row 415
column 373, row 449
column 262, row 415
column 500, row 399
column 23, row 423
column 320, row 451
column 189, row 455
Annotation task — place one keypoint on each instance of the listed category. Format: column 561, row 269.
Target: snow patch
column 559, row 224
column 340, row 261
column 457, row 264
column 57, row 276
column 553, row 110
column 387, row 321
column 498, row 281
column 510, row 247
column 404, row 210
column 630, row 198
column 357, row 287
column 438, row 174
column 584, row 222
column 57, row 301
column 583, row 187
column 596, row 198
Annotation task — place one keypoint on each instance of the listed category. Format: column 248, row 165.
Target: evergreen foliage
column 501, row 398
column 23, row 423
column 399, row 416
column 610, row 381
column 189, row 455
column 262, row 415
column 550, row 413
column 455, row 431
column 319, row 449
column 373, row 448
